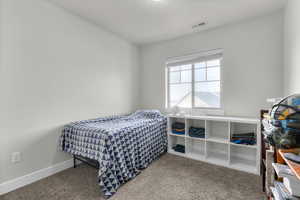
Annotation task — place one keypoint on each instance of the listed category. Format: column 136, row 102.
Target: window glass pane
column 176, row 68
column 213, row 73
column 212, row 63
column 174, row 77
column 207, row 89
column 207, row 94
column 200, row 65
column 180, row 95
column 186, row 67
column 186, row 76
column 200, row 74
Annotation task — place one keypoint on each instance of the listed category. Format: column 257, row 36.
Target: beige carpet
column 169, row 178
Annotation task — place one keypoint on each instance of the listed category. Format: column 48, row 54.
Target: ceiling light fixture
column 156, row 0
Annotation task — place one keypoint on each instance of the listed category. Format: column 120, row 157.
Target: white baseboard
column 33, row 177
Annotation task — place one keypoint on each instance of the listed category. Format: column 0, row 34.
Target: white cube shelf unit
column 216, row 147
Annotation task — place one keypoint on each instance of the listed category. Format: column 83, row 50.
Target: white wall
column 56, row 68
column 253, row 59
column 292, row 47
column 1, row 134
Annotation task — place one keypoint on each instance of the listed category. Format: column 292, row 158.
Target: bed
column 122, row 145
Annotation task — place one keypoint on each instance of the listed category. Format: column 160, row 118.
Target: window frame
column 192, row 60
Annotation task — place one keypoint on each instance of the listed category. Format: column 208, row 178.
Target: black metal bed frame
column 90, row 162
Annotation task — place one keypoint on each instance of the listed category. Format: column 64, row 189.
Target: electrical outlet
column 16, row 157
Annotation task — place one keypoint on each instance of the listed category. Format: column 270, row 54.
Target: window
column 195, row 81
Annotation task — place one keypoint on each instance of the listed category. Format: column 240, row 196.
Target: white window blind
column 194, row 81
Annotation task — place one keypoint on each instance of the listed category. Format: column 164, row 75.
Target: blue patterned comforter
column 123, row 145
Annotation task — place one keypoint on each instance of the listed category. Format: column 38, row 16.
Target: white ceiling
column 145, row 21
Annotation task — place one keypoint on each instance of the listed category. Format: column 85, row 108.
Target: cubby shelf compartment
column 243, row 158
column 217, row 152
column 173, row 141
column 194, row 123
column 172, row 120
column 195, row 147
column 216, row 147
column 217, row 131
column 242, row 129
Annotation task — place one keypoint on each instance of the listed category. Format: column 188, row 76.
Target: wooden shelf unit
column 216, row 147
column 295, row 167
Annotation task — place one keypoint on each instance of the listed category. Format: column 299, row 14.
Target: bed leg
column 74, row 161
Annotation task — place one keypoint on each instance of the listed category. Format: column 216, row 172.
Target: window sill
column 196, row 111
column 201, row 111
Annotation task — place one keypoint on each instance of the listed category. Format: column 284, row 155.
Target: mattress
column 123, row 145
